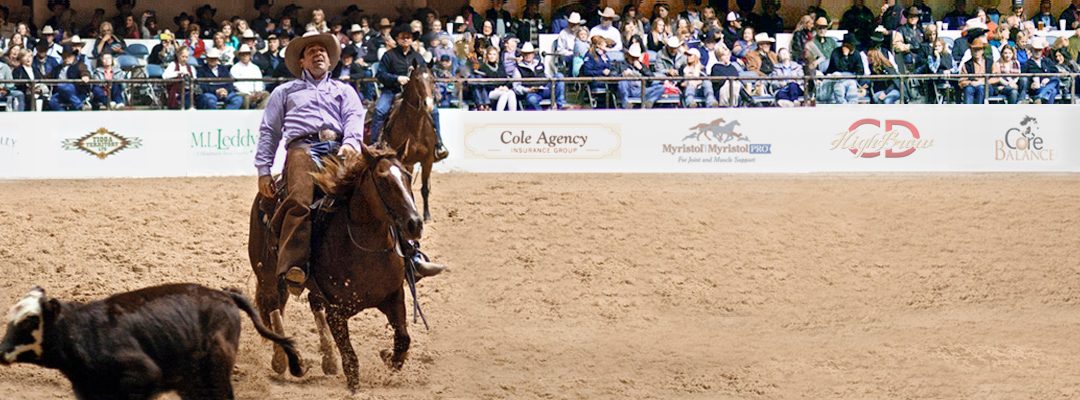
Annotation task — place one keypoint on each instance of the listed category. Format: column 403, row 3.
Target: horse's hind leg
column 425, row 178
column 326, row 341
column 394, row 308
column 339, row 327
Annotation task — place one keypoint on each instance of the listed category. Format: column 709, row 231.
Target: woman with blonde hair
column 1008, row 87
column 657, row 36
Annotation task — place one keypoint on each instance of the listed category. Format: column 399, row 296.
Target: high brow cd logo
column 872, row 138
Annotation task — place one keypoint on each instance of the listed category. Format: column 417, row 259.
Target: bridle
column 393, row 226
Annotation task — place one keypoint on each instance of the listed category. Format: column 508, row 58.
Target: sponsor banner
column 871, row 138
column 868, row 138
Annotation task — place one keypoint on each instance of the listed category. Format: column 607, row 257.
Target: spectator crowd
column 670, row 53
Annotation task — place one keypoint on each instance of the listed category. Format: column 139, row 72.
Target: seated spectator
column 1044, row 20
column 530, row 66
column 825, row 44
column 938, row 62
column 656, row 38
column 178, row 68
column 727, row 92
column 444, row 69
column 695, row 90
column 761, row 60
column 1065, row 64
column 69, row 96
column 229, row 34
column 194, row 42
column 981, row 61
column 882, row 91
column 149, row 27
column 130, row 30
column 581, row 50
column 957, row 18
column 254, row 93
column 510, row 55
column 786, row 93
column 1008, row 87
column 744, row 45
column 670, row 61
column 845, row 61
column 48, row 39
column 269, row 59
column 223, row 49
column 109, row 95
column 1044, row 89
column 163, row 52
column 486, row 37
column 803, row 35
column 28, row 71
column 633, row 67
column 499, row 93
column 564, row 44
column 108, row 42
column 609, row 32
column 12, row 96
column 1023, row 44
column 213, row 92
column 909, row 40
column 733, row 31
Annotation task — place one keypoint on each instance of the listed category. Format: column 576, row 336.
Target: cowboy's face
column 528, row 57
column 245, row 58
column 404, row 39
column 316, row 60
column 213, row 62
column 357, row 36
column 606, row 22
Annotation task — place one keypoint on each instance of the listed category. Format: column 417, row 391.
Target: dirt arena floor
column 630, row 286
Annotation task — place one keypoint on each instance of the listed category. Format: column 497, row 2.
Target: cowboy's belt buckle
column 327, row 135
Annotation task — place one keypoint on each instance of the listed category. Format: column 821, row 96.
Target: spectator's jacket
column 595, row 64
column 852, row 63
column 108, row 47
column 914, row 38
column 790, row 69
column 798, row 44
column 1042, row 66
column 1071, row 15
column 859, row 21
column 267, row 62
column 956, row 19
column 259, row 24
column 936, row 64
column 117, row 73
column 491, row 71
column 564, row 44
column 529, row 29
column 156, row 56
column 826, row 44
column 5, row 74
column 396, row 63
column 653, row 43
column 883, row 85
column 756, row 61
column 45, row 66
column 222, row 72
column 892, row 16
column 76, row 71
column 989, row 66
column 623, row 68
column 731, row 36
column 55, row 52
column 960, row 46
column 666, row 61
column 21, row 73
column 250, row 70
column 534, row 69
column 1047, row 20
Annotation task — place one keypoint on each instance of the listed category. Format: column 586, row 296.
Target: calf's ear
column 51, row 307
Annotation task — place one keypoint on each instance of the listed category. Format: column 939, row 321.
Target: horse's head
column 381, row 182
column 421, row 88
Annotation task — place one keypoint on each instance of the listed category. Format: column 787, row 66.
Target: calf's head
column 25, row 332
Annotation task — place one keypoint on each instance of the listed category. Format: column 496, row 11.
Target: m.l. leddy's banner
column 870, row 138
column 791, row 140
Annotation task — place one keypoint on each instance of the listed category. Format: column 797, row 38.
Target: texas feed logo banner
column 715, row 142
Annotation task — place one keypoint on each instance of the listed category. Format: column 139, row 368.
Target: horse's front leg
column 394, row 309
column 339, row 327
column 326, row 341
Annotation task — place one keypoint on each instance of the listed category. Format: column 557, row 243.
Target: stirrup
column 294, row 280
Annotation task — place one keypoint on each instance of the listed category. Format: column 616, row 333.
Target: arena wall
column 907, row 138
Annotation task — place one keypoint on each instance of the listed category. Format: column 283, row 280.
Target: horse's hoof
column 280, row 362
column 387, row 356
column 329, row 366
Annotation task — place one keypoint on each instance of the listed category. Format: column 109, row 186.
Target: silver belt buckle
column 327, row 135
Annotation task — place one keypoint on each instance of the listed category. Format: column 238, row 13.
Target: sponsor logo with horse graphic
column 1023, row 143
column 102, row 143
column 716, row 141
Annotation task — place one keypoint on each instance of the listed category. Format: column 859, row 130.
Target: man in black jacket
column 393, row 74
column 69, row 96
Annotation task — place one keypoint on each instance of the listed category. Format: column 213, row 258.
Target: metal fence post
column 903, row 90
column 986, row 88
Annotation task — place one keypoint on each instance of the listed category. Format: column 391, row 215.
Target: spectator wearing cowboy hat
column 260, row 22
column 909, row 41
column 182, row 21
column 607, row 31
column 393, row 74
column 212, row 92
column 632, row 67
column 205, row 15
column 69, row 96
column 672, row 59
column 1044, row 90
column 48, row 37
column 982, row 62
column 974, row 28
column 43, row 63
column 564, row 44
column 376, row 43
column 253, row 93
column 761, row 60
column 846, row 60
column 356, row 40
column 825, row 43
column 530, row 66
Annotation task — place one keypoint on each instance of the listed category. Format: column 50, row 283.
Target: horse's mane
column 338, row 174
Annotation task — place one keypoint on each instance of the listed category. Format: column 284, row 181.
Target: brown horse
column 356, row 262
column 410, row 128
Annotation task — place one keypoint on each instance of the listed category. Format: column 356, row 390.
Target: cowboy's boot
column 440, row 151
column 426, row 269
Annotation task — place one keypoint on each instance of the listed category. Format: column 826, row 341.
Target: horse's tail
column 287, row 344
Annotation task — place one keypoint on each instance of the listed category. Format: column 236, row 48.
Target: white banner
column 915, row 138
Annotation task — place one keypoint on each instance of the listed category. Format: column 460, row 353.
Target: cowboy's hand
column 346, row 150
column 221, row 92
column 85, row 79
column 266, row 186
column 402, row 80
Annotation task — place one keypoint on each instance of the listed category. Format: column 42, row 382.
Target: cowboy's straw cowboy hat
column 296, row 47
column 609, row 13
